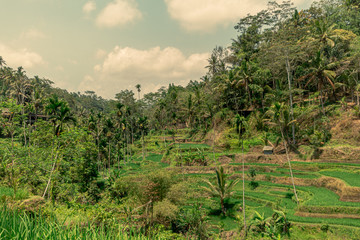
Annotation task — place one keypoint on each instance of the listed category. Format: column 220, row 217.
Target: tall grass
column 9, row 192
column 17, row 225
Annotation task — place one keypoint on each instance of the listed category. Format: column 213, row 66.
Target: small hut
column 268, row 150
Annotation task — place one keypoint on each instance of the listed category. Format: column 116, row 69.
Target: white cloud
column 20, row 57
column 118, row 13
column 207, row 15
column 89, row 7
column 123, row 68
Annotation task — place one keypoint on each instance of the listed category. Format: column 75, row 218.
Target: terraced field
column 319, row 202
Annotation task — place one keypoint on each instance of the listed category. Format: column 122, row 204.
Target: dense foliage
column 278, row 81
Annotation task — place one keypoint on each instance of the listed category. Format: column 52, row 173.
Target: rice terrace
column 256, row 139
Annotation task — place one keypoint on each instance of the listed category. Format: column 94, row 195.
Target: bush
column 192, row 221
column 165, row 212
column 155, row 186
column 324, row 227
column 289, row 195
column 178, row 192
column 122, row 188
column 253, row 185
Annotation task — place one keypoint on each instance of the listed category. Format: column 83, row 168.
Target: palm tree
column 281, row 118
column 52, row 108
column 245, row 77
column 240, row 123
column 64, row 116
column 109, row 126
column 321, row 73
column 119, row 125
column 161, row 111
column 19, row 89
column 216, row 61
column 138, row 87
column 222, row 188
column 142, row 123
column 2, row 62
column 59, row 113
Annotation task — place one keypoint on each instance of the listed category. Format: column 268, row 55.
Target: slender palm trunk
column 127, row 146
column 118, row 158
column 98, row 155
column 109, row 156
column 248, row 92
column 243, row 178
column 213, row 143
column 288, row 70
column 290, row 168
column 222, row 206
column 24, row 127
column 143, row 145
column 322, row 101
column 51, row 173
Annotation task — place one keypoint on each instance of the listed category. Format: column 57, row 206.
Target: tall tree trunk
column 289, row 77
column 24, row 127
column 288, row 159
column 124, row 150
column 143, row 145
column 222, row 206
column 243, row 178
column 98, row 155
column 127, row 146
column 51, row 173
column 109, row 156
column 214, row 135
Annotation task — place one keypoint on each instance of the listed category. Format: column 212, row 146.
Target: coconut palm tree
column 321, row 73
column 142, row 124
column 138, row 87
column 108, row 129
column 280, row 117
column 222, row 188
column 59, row 113
column 240, row 123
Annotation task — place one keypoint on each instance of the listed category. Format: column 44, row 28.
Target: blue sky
column 110, row 45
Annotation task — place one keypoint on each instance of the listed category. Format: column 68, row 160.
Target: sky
column 111, row 45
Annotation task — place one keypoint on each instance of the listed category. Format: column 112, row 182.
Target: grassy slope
column 262, row 199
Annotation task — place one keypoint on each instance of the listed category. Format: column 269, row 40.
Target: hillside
column 188, row 162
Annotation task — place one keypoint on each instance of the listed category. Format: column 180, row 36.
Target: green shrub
column 324, row 227
column 155, row 186
column 178, row 192
column 122, row 187
column 192, row 222
column 165, row 212
column 253, row 185
column 289, row 195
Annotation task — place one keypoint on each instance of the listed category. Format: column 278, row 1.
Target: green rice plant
column 353, row 179
column 325, row 197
